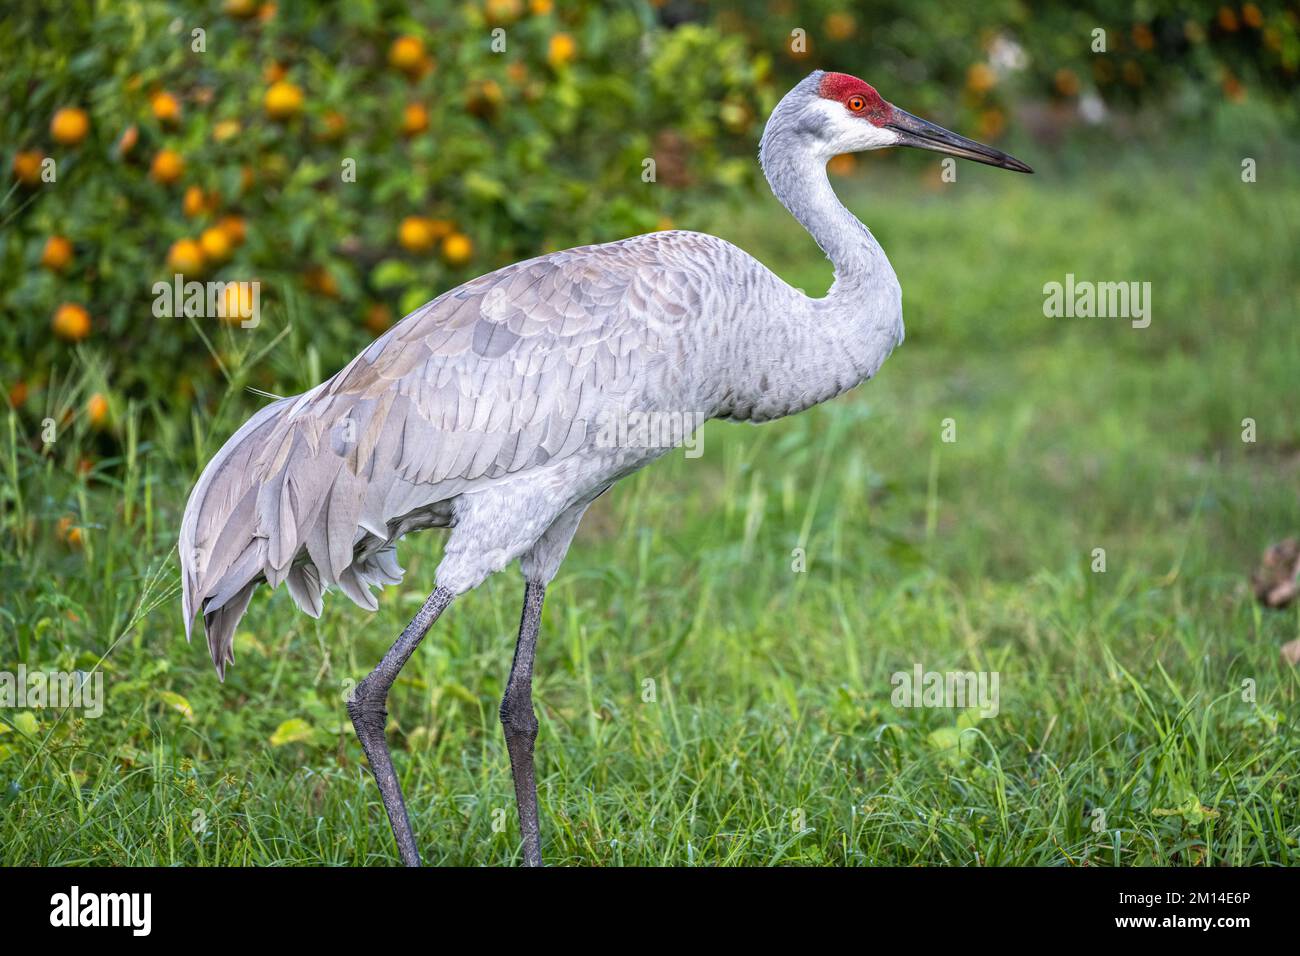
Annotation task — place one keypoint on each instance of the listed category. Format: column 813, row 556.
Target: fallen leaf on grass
column 1274, row 581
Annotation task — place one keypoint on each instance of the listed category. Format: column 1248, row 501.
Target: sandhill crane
column 483, row 412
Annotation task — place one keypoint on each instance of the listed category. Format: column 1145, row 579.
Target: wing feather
column 501, row 375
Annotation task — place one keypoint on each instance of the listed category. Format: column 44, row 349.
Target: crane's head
column 833, row 113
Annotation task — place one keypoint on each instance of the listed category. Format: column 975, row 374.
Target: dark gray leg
column 521, row 724
column 369, row 716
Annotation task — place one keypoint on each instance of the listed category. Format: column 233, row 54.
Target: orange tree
column 356, row 160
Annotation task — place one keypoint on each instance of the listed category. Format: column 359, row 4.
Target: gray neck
column 797, row 176
column 801, row 351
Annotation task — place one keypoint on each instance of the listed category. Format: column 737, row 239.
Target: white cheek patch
column 843, row 132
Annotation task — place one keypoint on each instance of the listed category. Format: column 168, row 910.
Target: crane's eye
column 857, row 104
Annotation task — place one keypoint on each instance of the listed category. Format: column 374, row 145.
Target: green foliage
column 499, row 154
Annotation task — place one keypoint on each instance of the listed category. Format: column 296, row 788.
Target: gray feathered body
column 483, row 410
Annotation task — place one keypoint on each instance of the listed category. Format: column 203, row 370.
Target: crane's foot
column 369, row 718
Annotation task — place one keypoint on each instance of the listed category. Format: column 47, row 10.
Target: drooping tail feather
column 219, row 624
column 279, row 503
column 218, row 547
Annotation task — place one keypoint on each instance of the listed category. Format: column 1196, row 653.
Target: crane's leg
column 520, row 723
column 539, row 565
column 369, row 713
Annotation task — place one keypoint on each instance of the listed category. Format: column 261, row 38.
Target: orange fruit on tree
column 980, row 78
column 57, row 253
column 318, row 279
column 840, row 26
column 541, row 8
column 333, row 126
column 842, row 164
column 457, row 249
column 415, row 234
column 415, row 119
column 1066, row 82
column 243, row 9
column 167, row 166
column 378, row 318
column 185, row 256
column 71, row 322
column 97, row 409
column 283, row 100
column 70, row 125
column 407, row 54
column 215, row 244
column 194, row 203
column 503, row 11
column 237, row 302
column 224, row 130
column 561, row 50
column 126, row 142
column 166, row 107
column 27, row 167
column 234, row 228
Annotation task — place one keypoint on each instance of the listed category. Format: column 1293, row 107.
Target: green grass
column 771, row 738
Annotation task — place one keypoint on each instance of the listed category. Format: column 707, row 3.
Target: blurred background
column 142, row 138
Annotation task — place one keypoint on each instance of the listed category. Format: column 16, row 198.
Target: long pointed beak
column 914, row 131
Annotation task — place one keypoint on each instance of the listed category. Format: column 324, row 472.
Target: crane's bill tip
column 914, row 131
